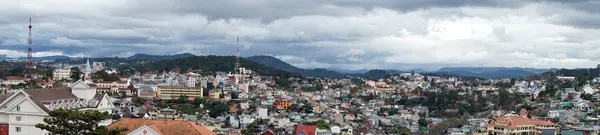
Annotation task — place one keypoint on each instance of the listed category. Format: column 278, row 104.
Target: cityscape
column 267, row 67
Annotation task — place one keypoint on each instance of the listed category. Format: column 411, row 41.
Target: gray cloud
column 353, row 34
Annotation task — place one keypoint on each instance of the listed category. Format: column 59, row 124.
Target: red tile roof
column 516, row 121
column 38, row 81
column 14, row 78
column 308, row 130
column 164, row 127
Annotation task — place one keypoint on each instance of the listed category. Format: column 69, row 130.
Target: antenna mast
column 237, row 54
column 30, row 67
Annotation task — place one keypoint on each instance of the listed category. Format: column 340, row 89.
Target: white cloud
column 338, row 34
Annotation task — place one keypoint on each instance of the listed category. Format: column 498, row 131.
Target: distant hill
column 493, row 72
column 361, row 71
column 148, row 57
column 211, row 63
column 279, row 64
column 55, row 57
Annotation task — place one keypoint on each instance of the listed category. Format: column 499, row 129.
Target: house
column 13, row 80
column 520, row 124
column 585, row 106
column 20, row 111
column 160, row 127
column 268, row 132
column 41, row 83
column 165, row 114
column 146, row 92
column 113, row 87
column 305, row 130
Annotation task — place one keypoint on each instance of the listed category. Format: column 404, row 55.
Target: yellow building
column 520, row 125
column 174, row 92
column 214, row 94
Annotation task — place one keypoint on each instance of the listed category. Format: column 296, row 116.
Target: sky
column 341, row 34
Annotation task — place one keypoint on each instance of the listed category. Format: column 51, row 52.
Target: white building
column 263, row 113
column 191, row 81
column 62, row 74
column 87, row 70
column 13, row 80
column 20, row 111
column 97, row 66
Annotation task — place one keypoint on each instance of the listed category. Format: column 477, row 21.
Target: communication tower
column 30, row 67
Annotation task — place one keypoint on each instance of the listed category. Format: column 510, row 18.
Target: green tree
column 75, row 74
column 75, row 122
column 321, row 124
column 104, row 76
column 423, row 122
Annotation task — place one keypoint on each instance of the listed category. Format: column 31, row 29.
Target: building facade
column 62, row 74
column 13, row 80
column 174, row 92
column 521, row 125
column 20, row 111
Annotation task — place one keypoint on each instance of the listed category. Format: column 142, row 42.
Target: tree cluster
column 104, row 76
column 74, row 122
column 75, row 74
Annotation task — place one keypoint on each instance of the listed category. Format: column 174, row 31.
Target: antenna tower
column 30, row 67
column 237, row 55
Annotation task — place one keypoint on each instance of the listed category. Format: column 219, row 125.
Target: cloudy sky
column 348, row 34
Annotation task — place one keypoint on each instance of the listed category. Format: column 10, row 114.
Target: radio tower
column 237, row 56
column 29, row 66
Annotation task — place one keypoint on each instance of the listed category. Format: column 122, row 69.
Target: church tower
column 87, row 71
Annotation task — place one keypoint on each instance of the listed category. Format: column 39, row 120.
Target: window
column 18, row 129
column 18, row 108
column 18, row 118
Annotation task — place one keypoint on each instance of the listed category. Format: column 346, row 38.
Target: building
column 113, row 87
column 13, row 80
column 174, row 92
column 62, row 74
column 146, row 92
column 160, row 127
column 521, row 125
column 87, row 70
column 97, row 66
column 20, row 111
column 165, row 114
column 305, row 130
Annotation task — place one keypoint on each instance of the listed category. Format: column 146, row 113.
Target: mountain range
column 279, row 64
column 479, row 72
column 148, row 57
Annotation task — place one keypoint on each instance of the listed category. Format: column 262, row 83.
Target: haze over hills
column 481, row 72
column 279, row 64
column 493, row 72
column 148, row 57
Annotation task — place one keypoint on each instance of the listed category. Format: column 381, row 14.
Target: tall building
column 62, row 74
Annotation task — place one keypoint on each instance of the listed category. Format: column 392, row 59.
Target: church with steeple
column 87, row 70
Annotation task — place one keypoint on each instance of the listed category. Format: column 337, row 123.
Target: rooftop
column 164, row 127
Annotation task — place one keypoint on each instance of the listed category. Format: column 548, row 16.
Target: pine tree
column 75, row 122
